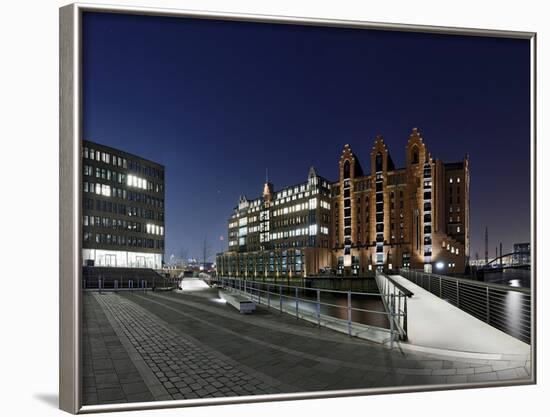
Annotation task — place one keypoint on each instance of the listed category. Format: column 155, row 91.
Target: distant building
column 385, row 218
column 123, row 209
column 522, row 253
column 283, row 233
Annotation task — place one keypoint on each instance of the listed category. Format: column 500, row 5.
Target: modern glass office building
column 123, row 209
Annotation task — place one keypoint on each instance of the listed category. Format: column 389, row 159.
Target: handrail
column 408, row 293
column 389, row 289
column 258, row 289
column 472, row 282
column 503, row 307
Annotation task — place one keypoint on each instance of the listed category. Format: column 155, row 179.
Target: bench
column 243, row 304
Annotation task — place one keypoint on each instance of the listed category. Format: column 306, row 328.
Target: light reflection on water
column 512, row 277
column 515, row 304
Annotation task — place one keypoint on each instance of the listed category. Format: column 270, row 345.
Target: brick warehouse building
column 416, row 216
column 123, row 209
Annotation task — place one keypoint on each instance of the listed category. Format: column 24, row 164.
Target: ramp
column 436, row 325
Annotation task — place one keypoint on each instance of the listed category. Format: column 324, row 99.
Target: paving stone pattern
column 185, row 368
column 109, row 374
column 312, row 358
column 144, row 347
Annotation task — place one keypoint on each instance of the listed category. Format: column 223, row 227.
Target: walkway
column 434, row 323
column 193, row 345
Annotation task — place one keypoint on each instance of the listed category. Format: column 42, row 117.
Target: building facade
column 280, row 234
column 381, row 219
column 123, row 209
column 522, row 254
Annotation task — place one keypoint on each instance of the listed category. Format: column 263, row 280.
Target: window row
column 123, row 209
column 107, row 190
column 121, row 240
column 115, row 160
column 105, row 157
column 122, row 178
column 120, row 224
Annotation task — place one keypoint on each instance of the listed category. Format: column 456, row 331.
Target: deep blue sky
column 218, row 102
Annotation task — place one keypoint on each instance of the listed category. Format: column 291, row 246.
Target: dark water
column 511, row 277
column 333, row 304
column 513, row 310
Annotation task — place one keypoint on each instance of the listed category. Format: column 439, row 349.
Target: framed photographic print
column 258, row 208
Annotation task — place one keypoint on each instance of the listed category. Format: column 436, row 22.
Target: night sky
column 218, row 102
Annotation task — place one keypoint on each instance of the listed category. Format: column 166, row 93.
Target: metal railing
column 503, row 307
column 307, row 303
column 394, row 297
column 136, row 284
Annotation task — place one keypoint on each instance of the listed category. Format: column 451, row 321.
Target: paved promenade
column 158, row 346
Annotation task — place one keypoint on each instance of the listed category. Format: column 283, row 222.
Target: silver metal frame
column 70, row 200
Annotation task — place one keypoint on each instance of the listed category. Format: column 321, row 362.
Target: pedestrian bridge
column 436, row 324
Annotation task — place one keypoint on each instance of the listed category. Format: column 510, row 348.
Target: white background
column 29, row 204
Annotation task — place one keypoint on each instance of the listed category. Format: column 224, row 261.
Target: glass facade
column 123, row 209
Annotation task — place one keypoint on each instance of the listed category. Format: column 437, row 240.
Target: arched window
column 414, row 155
column 378, row 162
column 346, row 169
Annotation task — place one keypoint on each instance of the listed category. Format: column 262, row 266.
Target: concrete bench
column 243, row 304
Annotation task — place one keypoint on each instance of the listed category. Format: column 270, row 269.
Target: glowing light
column 439, row 265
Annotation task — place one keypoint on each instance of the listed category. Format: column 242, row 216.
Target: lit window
column 450, row 180
column 458, row 180
column 458, row 229
column 106, row 190
column 312, row 203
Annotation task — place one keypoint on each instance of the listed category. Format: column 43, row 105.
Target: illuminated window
column 312, row 203
column 106, row 190
column 450, row 180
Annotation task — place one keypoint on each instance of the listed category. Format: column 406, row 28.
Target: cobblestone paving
column 192, row 346
column 319, row 358
column 181, row 366
column 109, row 374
